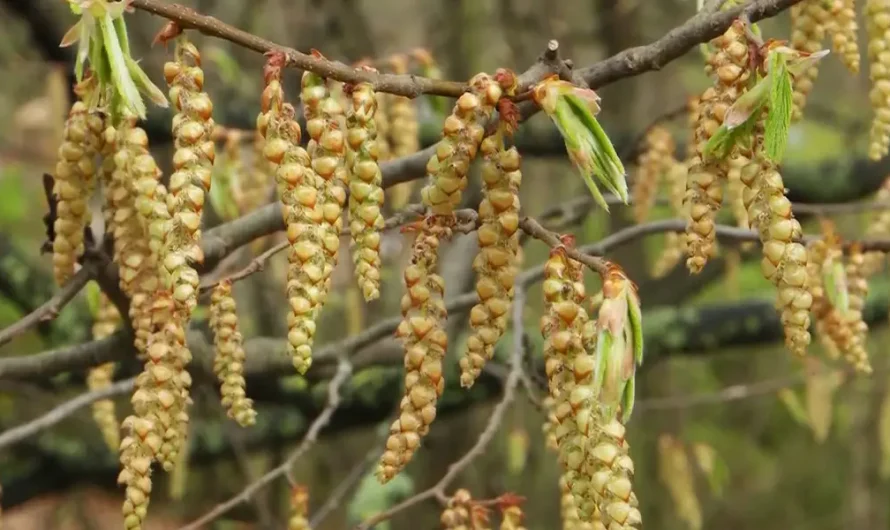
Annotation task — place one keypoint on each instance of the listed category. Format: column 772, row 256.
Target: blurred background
column 766, row 445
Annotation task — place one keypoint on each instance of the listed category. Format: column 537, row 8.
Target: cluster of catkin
column 75, row 182
column 784, row 260
column 838, row 292
column 591, row 441
column 704, row 185
column 654, row 163
column 228, row 363
column 495, row 264
column 877, row 16
column 462, row 134
column 810, row 20
column 106, row 321
column 422, row 331
column 299, row 191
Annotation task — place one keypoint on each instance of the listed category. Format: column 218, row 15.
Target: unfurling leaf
column 778, row 119
column 834, row 277
column 619, row 345
column 794, row 406
column 573, row 110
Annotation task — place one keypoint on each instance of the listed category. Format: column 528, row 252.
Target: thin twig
column 438, row 491
column 59, row 413
column 344, row 370
column 50, row 309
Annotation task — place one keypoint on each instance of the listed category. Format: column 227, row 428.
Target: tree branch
column 50, row 309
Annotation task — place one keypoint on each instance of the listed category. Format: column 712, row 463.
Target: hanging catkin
column 422, row 332
column 74, row 183
column 877, row 17
column 228, row 363
column 106, row 321
column 809, row 21
column 192, row 165
column 495, row 265
column 365, row 189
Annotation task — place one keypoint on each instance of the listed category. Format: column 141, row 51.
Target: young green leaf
column 778, row 118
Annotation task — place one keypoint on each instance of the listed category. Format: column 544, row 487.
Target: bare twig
column 730, row 393
column 438, row 491
column 344, row 370
column 59, row 413
column 48, row 310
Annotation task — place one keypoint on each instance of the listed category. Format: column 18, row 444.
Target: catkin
column 228, row 363
column 878, row 226
column 136, row 453
column 613, row 469
column 299, row 190
column 512, row 518
column 674, row 242
column 74, row 184
column 404, row 128
column 877, row 16
column 654, row 163
column 365, row 189
column 192, row 168
column 809, row 22
column 423, row 334
column 461, row 513
column 255, row 183
column 784, row 260
column 569, row 369
column 817, row 253
column 495, row 264
column 135, row 169
column 843, row 30
column 462, row 134
column 106, row 321
column 299, row 508
column 569, row 512
column 704, row 193
column 857, row 285
column 327, row 148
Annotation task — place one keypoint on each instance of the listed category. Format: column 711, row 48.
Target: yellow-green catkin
column 404, row 131
column 809, row 22
column 857, row 287
column 228, row 362
column 704, row 193
column 784, row 260
column 106, row 322
column 299, row 191
column 462, row 135
column 569, row 369
column 674, row 242
column 844, row 33
column 877, row 16
column 255, row 185
column 653, row 164
column 613, row 470
column 878, row 227
column 299, row 508
column 569, row 512
column 325, row 124
column 135, row 169
column 495, row 264
column 74, row 182
column 365, row 189
column 423, row 334
column 462, row 513
column 192, row 167
column 136, row 454
column 817, row 254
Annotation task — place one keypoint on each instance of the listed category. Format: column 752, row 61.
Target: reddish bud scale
column 74, row 182
column 365, row 189
column 326, row 126
column 495, row 265
column 729, row 66
column 298, row 191
column 462, row 135
column 192, row 166
column 422, row 332
column 107, row 319
column 569, row 371
column 228, row 362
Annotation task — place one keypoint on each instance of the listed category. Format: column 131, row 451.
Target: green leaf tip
column 574, row 110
